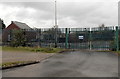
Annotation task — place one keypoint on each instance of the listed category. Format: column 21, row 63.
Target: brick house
column 17, row 25
column 29, row 33
column 0, row 31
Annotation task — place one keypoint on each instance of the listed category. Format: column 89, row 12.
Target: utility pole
column 56, row 26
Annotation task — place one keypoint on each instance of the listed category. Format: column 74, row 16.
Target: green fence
column 103, row 38
column 99, row 38
column 119, row 37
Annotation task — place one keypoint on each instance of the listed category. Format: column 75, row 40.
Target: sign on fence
column 81, row 37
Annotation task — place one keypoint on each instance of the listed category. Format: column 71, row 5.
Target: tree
column 2, row 25
column 18, row 38
column 101, row 27
column 50, row 34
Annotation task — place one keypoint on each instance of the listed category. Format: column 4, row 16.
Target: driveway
column 71, row 64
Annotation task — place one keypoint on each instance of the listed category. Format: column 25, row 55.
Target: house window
column 9, row 37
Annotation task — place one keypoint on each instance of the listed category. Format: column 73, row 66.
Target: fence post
column 69, row 38
column 56, row 30
column 90, row 39
column 39, row 37
column 66, row 37
column 117, row 38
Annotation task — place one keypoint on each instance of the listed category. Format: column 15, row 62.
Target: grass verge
column 33, row 49
column 16, row 64
column 116, row 52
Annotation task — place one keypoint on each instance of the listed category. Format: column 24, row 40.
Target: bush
column 113, row 46
column 18, row 38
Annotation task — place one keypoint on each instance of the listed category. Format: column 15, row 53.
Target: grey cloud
column 45, row 10
column 45, row 6
column 79, row 13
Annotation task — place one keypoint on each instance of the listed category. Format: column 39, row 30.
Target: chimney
column 11, row 21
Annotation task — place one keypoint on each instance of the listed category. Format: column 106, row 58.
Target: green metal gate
column 78, row 38
column 99, row 38
column 119, row 37
column 102, row 38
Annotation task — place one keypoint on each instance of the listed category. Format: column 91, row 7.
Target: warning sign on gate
column 81, row 37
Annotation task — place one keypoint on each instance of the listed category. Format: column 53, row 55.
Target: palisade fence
column 99, row 38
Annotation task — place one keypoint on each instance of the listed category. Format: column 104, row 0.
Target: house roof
column 21, row 25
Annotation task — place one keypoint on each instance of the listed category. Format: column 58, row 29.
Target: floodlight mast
column 56, row 26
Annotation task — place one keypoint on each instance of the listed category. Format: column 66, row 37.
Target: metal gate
column 99, row 38
column 78, row 38
column 102, row 38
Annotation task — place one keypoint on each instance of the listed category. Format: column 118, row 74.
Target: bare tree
column 101, row 27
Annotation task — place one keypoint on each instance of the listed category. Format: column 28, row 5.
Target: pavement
column 8, row 56
column 70, row 64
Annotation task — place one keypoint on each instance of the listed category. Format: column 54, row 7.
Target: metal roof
column 21, row 25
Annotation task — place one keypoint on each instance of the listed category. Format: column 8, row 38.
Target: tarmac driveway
column 71, row 64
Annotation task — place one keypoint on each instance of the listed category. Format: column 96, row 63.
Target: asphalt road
column 71, row 64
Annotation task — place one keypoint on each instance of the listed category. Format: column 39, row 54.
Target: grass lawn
column 0, row 48
column 33, row 49
column 117, row 52
column 10, row 64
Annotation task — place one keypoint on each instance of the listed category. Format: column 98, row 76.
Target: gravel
column 24, row 56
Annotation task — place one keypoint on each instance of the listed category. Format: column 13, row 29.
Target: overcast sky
column 72, row 13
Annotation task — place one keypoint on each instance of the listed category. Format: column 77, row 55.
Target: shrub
column 18, row 38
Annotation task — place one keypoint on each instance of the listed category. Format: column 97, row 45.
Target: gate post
column 69, row 38
column 56, row 30
column 90, row 39
column 39, row 37
column 66, row 37
column 117, row 38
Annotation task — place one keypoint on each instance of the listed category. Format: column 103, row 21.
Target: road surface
column 71, row 64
